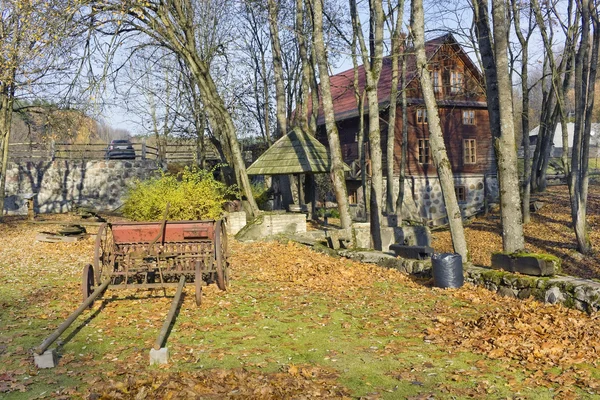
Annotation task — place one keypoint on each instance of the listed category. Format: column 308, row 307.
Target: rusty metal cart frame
column 130, row 255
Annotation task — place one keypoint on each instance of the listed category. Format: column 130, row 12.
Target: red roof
column 342, row 89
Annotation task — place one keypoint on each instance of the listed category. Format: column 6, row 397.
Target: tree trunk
column 391, row 131
column 6, row 103
column 277, row 69
column 499, row 98
column 436, row 138
column 400, row 199
column 526, row 189
column 512, row 223
column 305, row 82
column 585, row 80
column 337, row 164
column 372, row 64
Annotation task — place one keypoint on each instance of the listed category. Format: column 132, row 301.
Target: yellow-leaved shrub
column 193, row 194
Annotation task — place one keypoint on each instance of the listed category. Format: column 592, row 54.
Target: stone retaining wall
column 60, row 184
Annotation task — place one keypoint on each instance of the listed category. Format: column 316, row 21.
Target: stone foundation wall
column 427, row 204
column 427, row 195
column 59, row 185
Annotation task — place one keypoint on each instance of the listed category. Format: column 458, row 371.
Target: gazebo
column 294, row 154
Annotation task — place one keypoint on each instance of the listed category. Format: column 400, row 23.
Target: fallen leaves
column 287, row 304
column 295, row 381
column 549, row 231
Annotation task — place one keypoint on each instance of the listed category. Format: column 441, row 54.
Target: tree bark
column 372, row 63
column 402, row 178
column 277, row 69
column 337, row 164
column 495, row 62
column 586, row 64
column 436, row 138
column 391, row 131
column 524, row 40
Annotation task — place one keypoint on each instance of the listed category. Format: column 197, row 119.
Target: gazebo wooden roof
column 295, row 153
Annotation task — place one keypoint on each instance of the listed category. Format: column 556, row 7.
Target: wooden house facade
column 459, row 89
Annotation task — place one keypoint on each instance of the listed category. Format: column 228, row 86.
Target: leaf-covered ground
column 550, row 231
column 295, row 324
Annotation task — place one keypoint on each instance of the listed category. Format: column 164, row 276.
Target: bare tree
column 337, row 164
column 436, row 138
column 372, row 63
column 190, row 29
column 395, row 27
column 37, row 40
column 586, row 64
column 524, row 38
column 493, row 50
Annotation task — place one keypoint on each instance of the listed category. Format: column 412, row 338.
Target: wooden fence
column 174, row 153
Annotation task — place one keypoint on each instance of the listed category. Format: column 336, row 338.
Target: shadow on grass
column 83, row 324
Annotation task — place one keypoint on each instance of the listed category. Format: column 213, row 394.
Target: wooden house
column 459, row 88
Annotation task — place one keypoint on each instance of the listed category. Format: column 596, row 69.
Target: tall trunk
column 400, row 199
column 436, row 138
column 220, row 119
column 524, row 40
column 391, row 131
column 305, row 78
column 337, row 164
column 585, row 80
column 495, row 62
column 512, row 223
column 277, row 69
column 6, row 106
column 267, row 102
column 372, row 63
column 558, row 87
column 360, row 135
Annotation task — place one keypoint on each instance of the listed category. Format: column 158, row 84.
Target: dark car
column 120, row 149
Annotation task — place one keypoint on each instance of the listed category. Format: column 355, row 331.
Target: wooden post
column 63, row 327
column 30, row 210
column 144, row 149
column 165, row 328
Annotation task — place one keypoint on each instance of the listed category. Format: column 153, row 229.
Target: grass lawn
column 294, row 324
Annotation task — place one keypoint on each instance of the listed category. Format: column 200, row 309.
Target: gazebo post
column 301, row 200
column 312, row 190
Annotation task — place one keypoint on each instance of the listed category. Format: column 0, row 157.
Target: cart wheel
column 219, row 256
column 198, row 284
column 87, row 283
column 103, row 250
column 225, row 255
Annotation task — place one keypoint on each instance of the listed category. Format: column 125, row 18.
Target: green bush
column 260, row 191
column 193, row 194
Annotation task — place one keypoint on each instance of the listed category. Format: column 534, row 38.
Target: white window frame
column 423, row 151
column 468, row 117
column 456, row 81
column 470, row 151
column 421, row 116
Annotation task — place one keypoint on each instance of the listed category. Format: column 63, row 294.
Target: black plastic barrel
column 447, row 270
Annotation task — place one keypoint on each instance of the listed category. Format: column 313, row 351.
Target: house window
column 456, row 81
column 470, row 151
column 437, row 88
column 421, row 116
column 468, row 117
column 461, row 193
column 424, row 151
